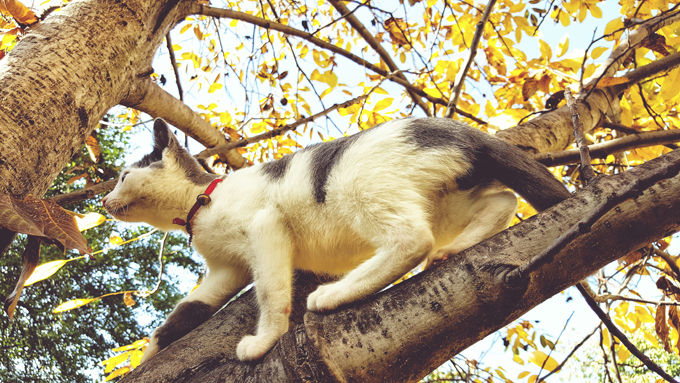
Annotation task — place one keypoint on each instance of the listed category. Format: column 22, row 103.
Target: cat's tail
column 519, row 172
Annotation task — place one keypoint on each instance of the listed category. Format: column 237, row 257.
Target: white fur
column 385, row 212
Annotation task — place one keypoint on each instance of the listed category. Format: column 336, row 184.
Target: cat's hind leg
column 215, row 290
column 400, row 246
column 493, row 213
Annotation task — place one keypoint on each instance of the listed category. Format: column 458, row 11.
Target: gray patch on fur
column 324, row 157
column 277, row 169
column 490, row 159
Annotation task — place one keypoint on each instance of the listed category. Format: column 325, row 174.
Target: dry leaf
column 93, row 148
column 41, row 217
column 127, row 298
column 19, row 11
column 30, row 260
column 661, row 326
column 396, row 29
column 529, row 88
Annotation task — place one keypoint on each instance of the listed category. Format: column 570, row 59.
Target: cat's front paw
column 253, row 347
column 324, row 298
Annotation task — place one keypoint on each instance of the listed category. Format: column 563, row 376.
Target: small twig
column 516, row 276
column 669, row 260
column 278, row 131
column 555, row 344
column 604, row 298
column 173, row 60
column 620, row 336
column 461, row 75
column 573, row 351
column 145, row 294
column 586, row 167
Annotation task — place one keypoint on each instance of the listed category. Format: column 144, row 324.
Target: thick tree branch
column 147, row 96
column 669, row 169
column 285, row 29
column 644, row 72
column 461, row 75
column 373, row 42
column 633, row 141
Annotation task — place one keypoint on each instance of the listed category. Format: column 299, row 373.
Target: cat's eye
column 122, row 178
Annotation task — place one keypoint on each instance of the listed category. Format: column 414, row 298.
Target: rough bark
column 404, row 332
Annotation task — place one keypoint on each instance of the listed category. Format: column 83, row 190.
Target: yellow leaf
column 518, row 360
column 623, row 353
column 563, row 46
column 595, row 11
column 214, row 87
column 176, row 47
column 597, row 52
column 532, row 378
column 546, row 52
column 135, row 358
column 402, row 57
column 113, row 361
column 89, row 221
column 115, row 239
column 382, row 104
column 232, row 24
column 117, row 373
column 136, row 345
column 522, row 375
column 612, row 26
column 184, row 28
column 45, row 271
column 540, row 358
column 74, row 304
column 651, row 338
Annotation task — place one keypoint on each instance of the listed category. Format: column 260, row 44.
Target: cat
column 369, row 207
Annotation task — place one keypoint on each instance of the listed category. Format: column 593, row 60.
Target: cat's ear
column 163, row 139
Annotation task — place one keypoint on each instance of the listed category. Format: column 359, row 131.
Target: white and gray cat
column 369, row 207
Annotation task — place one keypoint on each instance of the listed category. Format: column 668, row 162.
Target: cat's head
column 161, row 186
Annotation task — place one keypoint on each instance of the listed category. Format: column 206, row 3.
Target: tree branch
column 173, row 61
column 633, row 141
column 515, row 277
column 371, row 40
column 81, row 195
column 655, row 67
column 461, row 75
column 276, row 132
column 620, row 336
column 147, row 96
column 621, row 52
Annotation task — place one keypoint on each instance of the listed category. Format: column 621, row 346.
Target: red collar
column 201, row 200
